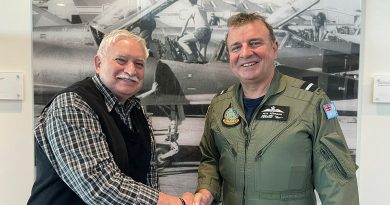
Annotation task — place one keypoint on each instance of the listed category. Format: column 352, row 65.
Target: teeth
column 124, row 77
column 248, row 64
column 128, row 77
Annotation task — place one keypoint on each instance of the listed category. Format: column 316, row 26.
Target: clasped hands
column 202, row 197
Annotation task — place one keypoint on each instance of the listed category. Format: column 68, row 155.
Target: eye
column 235, row 48
column 121, row 61
column 255, row 43
column 140, row 64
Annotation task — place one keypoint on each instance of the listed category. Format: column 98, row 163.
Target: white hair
column 116, row 35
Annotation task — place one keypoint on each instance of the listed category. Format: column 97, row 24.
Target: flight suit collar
column 277, row 85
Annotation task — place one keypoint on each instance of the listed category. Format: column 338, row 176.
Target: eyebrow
column 124, row 56
column 249, row 40
column 234, row 44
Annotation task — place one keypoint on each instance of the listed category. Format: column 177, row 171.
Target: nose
column 246, row 51
column 130, row 69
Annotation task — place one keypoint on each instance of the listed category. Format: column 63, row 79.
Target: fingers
column 154, row 86
column 188, row 198
column 203, row 197
column 198, row 199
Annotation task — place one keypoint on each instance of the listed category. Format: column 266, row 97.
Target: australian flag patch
column 330, row 110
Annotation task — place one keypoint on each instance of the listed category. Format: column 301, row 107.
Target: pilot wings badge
column 273, row 112
column 231, row 117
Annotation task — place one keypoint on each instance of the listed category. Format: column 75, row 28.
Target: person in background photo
column 94, row 144
column 271, row 139
column 214, row 20
column 319, row 22
column 201, row 34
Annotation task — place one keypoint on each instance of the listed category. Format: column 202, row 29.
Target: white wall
column 16, row 117
column 374, row 119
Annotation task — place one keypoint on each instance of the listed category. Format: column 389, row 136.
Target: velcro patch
column 330, row 110
column 231, row 117
column 273, row 112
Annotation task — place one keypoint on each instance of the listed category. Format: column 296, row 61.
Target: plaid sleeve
column 80, row 155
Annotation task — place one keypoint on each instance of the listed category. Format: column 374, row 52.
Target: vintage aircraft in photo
column 63, row 54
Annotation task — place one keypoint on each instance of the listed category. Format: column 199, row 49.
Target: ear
column 98, row 63
column 276, row 46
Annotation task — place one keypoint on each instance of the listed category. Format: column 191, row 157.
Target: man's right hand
column 203, row 197
column 188, row 198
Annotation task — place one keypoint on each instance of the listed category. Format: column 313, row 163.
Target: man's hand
column 154, row 86
column 166, row 199
column 203, row 197
column 188, row 198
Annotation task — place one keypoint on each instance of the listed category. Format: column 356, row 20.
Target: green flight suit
column 288, row 149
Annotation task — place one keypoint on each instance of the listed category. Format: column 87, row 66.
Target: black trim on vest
column 131, row 149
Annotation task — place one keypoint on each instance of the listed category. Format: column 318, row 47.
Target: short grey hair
column 116, row 35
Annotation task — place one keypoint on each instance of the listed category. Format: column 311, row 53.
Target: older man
column 94, row 144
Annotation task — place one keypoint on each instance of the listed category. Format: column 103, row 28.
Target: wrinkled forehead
column 253, row 25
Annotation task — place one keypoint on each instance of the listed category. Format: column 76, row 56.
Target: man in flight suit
column 271, row 139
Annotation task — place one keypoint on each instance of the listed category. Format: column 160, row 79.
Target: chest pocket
column 283, row 161
column 228, row 158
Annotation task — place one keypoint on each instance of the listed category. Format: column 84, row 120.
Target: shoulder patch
column 330, row 110
column 309, row 86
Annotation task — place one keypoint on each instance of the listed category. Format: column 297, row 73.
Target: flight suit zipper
column 247, row 140
column 327, row 154
column 260, row 153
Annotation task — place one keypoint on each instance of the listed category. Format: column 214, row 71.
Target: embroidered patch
column 231, row 117
column 273, row 112
column 330, row 110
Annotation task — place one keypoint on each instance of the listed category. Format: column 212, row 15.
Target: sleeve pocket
column 337, row 157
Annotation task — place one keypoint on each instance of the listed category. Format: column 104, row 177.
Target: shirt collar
column 109, row 97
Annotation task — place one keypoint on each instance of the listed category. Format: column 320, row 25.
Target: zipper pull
column 259, row 155
column 246, row 131
column 246, row 142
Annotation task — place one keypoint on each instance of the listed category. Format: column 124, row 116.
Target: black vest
column 131, row 149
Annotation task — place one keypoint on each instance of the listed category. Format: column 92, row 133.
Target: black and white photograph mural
column 318, row 42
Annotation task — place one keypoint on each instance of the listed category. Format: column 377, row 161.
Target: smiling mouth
column 249, row 64
column 128, row 78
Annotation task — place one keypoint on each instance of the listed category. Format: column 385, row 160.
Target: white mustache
column 127, row 76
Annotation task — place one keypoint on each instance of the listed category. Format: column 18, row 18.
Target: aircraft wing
column 121, row 16
column 196, row 84
column 349, row 38
column 42, row 17
column 288, row 11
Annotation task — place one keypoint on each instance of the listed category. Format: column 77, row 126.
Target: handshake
column 202, row 197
